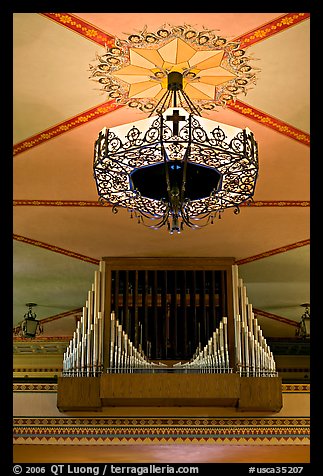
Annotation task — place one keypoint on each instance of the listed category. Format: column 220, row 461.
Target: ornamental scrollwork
column 105, row 69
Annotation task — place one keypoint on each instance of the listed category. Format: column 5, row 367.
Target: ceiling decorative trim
column 275, row 251
column 103, row 38
column 56, row 249
column 66, row 126
column 94, row 203
column 82, row 27
column 275, row 317
column 61, row 315
column 135, row 70
column 90, row 32
column 278, row 203
column 58, row 203
column 271, row 28
column 269, row 121
column 214, row 70
column 110, row 106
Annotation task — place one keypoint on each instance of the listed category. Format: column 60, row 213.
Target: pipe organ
column 168, row 332
column 150, row 321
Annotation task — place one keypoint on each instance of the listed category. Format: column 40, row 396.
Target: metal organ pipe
column 214, row 357
column 124, row 356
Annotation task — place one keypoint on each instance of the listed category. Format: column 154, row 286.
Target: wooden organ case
column 168, row 332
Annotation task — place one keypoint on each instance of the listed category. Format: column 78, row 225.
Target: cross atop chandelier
column 175, row 168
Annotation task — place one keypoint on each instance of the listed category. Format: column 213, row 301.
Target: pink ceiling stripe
column 99, row 36
column 56, row 249
column 82, row 27
column 271, row 28
column 66, row 126
column 61, row 314
column 81, row 257
column 275, row 317
column 110, row 106
column 275, row 251
column 276, row 203
column 269, row 121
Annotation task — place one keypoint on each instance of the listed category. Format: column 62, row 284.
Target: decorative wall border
column 42, row 338
column 296, row 388
column 158, row 430
column 52, row 387
column 160, row 440
column 35, row 387
column 41, row 370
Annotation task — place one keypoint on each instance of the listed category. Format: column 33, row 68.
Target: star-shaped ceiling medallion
column 134, row 72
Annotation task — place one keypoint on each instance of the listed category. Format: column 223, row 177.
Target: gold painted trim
column 40, row 387
column 250, row 430
column 35, row 387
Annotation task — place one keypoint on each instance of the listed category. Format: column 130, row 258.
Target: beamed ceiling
column 60, row 229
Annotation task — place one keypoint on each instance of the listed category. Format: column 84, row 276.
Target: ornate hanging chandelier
column 175, row 168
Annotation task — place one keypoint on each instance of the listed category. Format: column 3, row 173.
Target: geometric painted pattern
column 152, row 430
column 35, row 387
column 52, row 387
column 296, row 388
column 159, row 430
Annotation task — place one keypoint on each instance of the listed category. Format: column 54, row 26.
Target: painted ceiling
column 61, row 231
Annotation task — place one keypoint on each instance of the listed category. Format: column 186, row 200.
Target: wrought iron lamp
column 304, row 329
column 175, row 168
column 30, row 326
